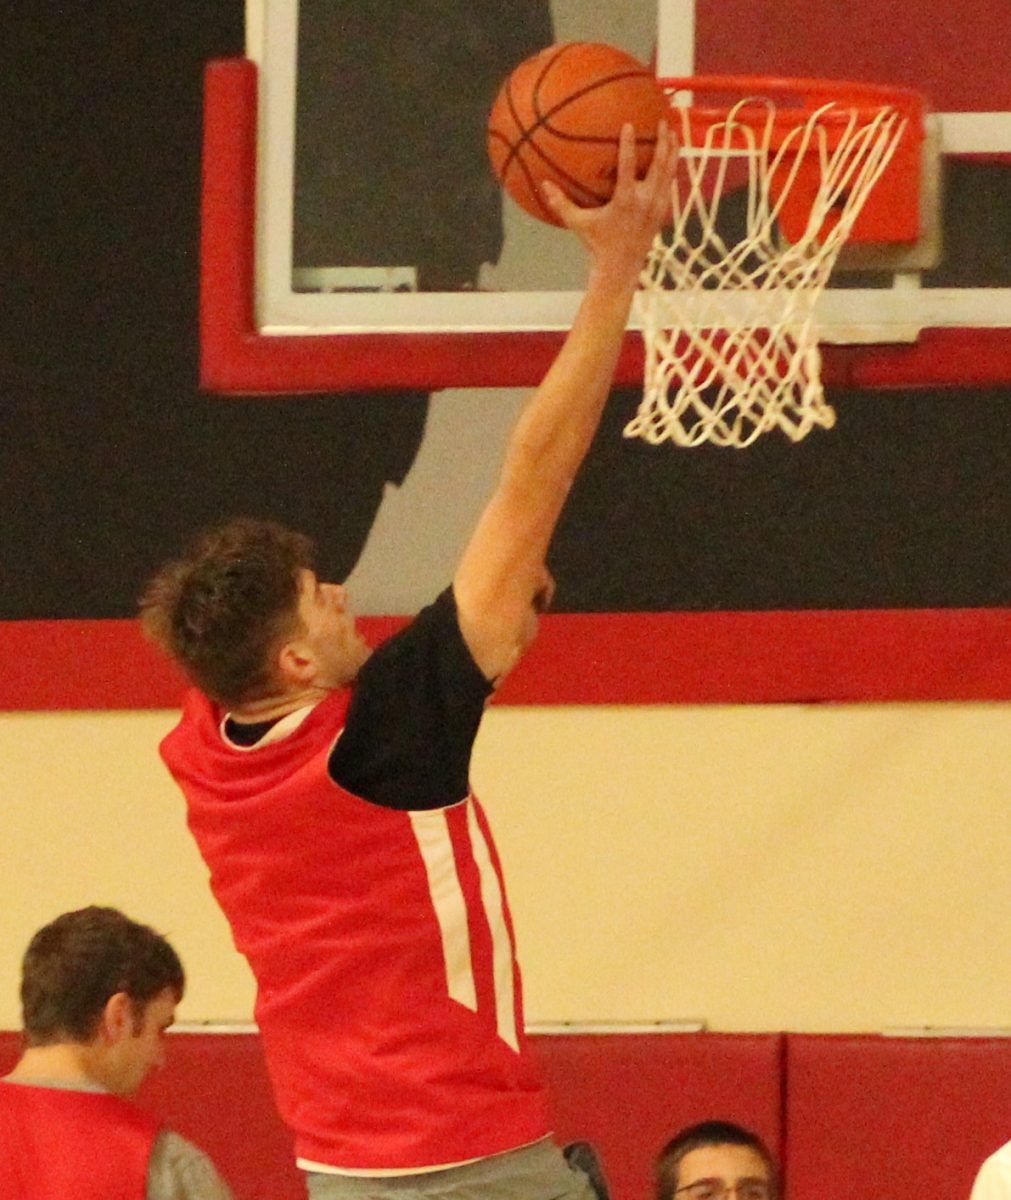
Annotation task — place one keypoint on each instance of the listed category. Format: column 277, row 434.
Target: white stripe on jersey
column 494, row 907
column 431, row 829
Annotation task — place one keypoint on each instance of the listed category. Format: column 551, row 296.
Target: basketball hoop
column 775, row 176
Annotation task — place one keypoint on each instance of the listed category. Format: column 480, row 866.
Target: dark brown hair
column 76, row 963
column 707, row 1133
column 226, row 604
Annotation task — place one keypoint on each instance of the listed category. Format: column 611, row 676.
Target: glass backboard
column 383, row 253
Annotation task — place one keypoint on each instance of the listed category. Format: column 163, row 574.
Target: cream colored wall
column 803, row 868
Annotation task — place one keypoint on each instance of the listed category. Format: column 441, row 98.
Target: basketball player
column 327, row 788
column 98, row 992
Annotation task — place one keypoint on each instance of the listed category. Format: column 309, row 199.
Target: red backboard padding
column 901, row 1118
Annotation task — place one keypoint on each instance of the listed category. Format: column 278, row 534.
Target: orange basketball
column 558, row 116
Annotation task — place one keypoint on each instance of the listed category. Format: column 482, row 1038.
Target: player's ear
column 118, row 1018
column 296, row 663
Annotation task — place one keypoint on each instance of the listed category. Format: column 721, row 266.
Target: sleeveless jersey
column 388, row 994
column 59, row 1143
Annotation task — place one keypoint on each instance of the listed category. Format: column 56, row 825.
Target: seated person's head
column 716, row 1160
column 98, row 992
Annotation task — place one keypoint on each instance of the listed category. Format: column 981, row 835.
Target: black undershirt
column 412, row 719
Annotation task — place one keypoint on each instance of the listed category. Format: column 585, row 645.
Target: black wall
column 109, row 453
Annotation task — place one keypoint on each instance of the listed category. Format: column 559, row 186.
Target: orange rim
column 808, row 96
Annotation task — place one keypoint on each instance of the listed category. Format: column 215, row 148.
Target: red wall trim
column 596, row 658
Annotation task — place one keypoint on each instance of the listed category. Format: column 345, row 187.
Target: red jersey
column 388, row 994
column 59, row 1143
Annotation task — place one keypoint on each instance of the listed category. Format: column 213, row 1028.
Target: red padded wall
column 215, row 1092
column 901, row 1118
column 629, row 1093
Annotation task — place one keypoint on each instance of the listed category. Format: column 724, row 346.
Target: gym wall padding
column 882, row 1116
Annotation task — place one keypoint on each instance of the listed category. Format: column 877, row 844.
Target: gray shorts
column 537, row 1172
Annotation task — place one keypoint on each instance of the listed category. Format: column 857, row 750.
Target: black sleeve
column 413, row 717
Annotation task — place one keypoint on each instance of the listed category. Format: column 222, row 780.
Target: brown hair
column 76, row 963
column 707, row 1133
column 223, row 607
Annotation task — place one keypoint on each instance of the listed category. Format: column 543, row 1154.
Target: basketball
column 559, row 115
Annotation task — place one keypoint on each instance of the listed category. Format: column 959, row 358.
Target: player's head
column 99, row 981
column 225, row 609
column 706, row 1161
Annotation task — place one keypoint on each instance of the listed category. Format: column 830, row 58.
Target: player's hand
column 618, row 235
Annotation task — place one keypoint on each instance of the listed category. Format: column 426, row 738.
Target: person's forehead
column 722, row 1162
column 161, row 1009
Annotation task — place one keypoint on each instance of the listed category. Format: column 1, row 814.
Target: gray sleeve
column 177, row 1170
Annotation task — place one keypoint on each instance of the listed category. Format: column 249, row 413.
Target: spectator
column 98, row 992
column 716, row 1160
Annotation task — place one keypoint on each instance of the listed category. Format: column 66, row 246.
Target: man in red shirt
column 98, row 992
column 327, row 788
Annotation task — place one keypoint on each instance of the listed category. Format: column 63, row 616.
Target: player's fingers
column 558, row 202
column 626, row 156
column 660, row 177
column 664, row 155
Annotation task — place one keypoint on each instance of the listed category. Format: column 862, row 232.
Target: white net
column 727, row 304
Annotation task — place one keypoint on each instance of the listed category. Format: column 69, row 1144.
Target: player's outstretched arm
column 502, row 570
